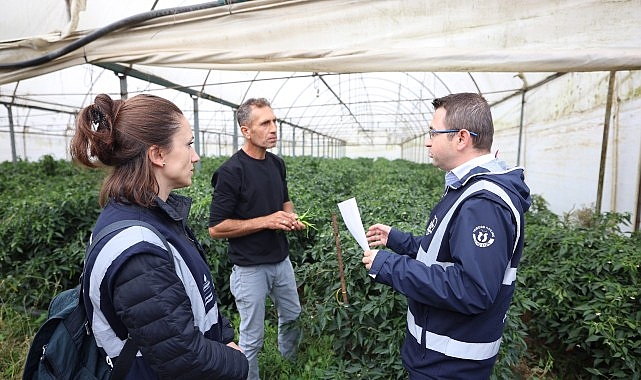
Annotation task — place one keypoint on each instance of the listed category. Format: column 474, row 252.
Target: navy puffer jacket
column 167, row 308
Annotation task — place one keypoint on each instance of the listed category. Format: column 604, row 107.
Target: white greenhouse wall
column 390, row 152
column 562, row 136
column 31, row 147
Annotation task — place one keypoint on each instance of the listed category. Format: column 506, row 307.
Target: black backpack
column 64, row 346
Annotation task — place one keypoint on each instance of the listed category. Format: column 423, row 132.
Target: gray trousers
column 250, row 286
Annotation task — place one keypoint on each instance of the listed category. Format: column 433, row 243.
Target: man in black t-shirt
column 251, row 208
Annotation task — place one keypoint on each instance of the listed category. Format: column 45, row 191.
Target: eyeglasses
column 434, row 132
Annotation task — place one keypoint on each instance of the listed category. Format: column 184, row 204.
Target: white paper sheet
column 352, row 218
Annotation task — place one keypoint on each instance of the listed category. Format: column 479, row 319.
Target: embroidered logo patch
column 483, row 236
column 431, row 226
column 207, row 290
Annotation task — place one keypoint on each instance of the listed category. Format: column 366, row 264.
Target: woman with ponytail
column 133, row 288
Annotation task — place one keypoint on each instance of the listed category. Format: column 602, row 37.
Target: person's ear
column 462, row 140
column 156, row 155
column 464, row 135
column 245, row 131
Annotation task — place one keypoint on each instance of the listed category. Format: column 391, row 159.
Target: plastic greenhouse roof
column 357, row 108
column 349, row 84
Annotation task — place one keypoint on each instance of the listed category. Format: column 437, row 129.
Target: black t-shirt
column 246, row 188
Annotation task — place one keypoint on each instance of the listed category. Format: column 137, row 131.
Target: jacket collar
column 454, row 178
column 177, row 207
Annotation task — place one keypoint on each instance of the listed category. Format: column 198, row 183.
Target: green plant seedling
column 305, row 219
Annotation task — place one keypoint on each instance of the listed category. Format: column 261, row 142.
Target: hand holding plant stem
column 304, row 218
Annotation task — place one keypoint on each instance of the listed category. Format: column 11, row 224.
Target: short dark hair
column 468, row 111
column 243, row 114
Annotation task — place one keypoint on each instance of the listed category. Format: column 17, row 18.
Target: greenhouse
column 351, row 84
column 347, row 79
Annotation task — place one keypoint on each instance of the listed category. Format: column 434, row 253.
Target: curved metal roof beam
column 368, row 104
column 442, row 82
column 306, row 88
column 321, row 116
column 423, row 86
column 388, row 114
column 320, row 95
column 248, row 87
column 475, row 84
column 341, row 101
column 281, row 87
column 339, row 114
column 334, row 124
column 85, row 99
column 284, row 119
column 321, row 121
column 202, row 87
column 417, row 101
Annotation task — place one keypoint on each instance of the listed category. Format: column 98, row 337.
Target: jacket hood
column 511, row 179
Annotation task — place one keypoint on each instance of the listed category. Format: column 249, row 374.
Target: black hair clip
column 97, row 119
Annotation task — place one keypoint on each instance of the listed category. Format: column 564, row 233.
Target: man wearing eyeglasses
column 459, row 277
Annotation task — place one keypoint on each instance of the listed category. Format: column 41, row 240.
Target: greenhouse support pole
column 12, row 135
column 604, row 142
column 520, row 142
column 280, row 140
column 123, row 86
column 236, row 127
column 637, row 219
column 196, row 129
column 293, row 141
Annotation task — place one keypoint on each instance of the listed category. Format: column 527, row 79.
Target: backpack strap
column 125, row 359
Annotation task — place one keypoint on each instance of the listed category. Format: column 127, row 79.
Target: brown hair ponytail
column 118, row 134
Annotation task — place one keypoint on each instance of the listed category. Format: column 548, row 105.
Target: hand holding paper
column 352, row 218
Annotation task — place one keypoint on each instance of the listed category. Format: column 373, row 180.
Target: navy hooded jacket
column 459, row 277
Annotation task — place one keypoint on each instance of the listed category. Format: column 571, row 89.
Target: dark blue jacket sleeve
column 403, row 243
column 227, row 329
column 473, row 280
column 152, row 303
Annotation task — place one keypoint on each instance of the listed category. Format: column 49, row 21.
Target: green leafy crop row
column 576, row 312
